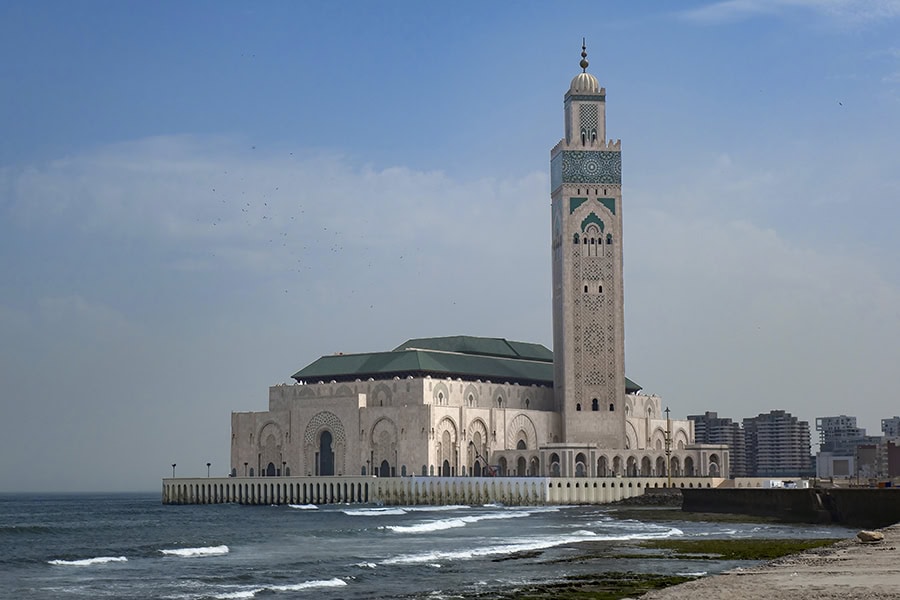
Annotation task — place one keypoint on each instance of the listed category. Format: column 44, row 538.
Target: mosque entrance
column 476, row 470
column 325, row 455
column 445, row 469
column 385, row 470
column 270, row 470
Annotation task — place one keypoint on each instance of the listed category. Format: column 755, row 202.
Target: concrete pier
column 415, row 490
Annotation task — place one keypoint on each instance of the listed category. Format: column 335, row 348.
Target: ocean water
column 132, row 546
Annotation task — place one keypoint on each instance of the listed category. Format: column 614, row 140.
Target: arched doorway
column 476, row 469
column 631, row 467
column 660, row 467
column 688, row 466
column 535, row 468
column 602, row 467
column 385, row 469
column 325, row 455
column 520, row 467
column 645, row 466
column 501, row 464
column 554, row 465
column 270, row 470
column 445, row 469
column 714, row 465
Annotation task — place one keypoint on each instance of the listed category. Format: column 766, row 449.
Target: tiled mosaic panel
column 591, row 166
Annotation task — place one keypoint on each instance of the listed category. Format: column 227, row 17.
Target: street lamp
column 173, row 470
column 207, row 469
column 668, row 447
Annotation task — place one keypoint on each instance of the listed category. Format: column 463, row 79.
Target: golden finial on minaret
column 584, row 63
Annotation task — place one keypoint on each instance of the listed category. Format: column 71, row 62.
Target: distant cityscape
column 777, row 444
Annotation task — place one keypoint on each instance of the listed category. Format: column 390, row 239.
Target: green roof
column 470, row 357
column 467, row 344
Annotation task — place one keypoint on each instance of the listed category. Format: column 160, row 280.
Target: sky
column 197, row 199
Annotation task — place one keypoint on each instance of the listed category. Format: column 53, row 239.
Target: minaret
column 588, row 299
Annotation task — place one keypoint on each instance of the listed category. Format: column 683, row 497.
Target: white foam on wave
column 524, row 545
column 373, row 512
column 295, row 587
column 365, row 565
column 303, row 506
column 195, row 552
column 692, row 574
column 435, row 508
column 86, row 562
column 453, row 523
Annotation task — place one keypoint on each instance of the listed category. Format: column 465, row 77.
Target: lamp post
column 173, row 470
column 208, row 465
column 668, row 447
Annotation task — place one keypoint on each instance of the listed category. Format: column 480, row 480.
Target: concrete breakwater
column 415, row 490
column 857, row 507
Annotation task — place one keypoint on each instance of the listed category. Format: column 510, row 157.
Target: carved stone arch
column 383, row 441
column 499, row 391
column 477, row 441
column 307, row 391
column 472, row 392
column 659, row 435
column 381, row 395
column 446, row 440
column 631, row 435
column 324, row 421
column 629, row 405
column 269, row 442
column 521, row 426
column 344, row 391
column 440, row 393
column 680, row 438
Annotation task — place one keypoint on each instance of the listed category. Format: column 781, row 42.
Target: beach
column 847, row 569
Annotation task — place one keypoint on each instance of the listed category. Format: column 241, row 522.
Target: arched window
column 609, row 238
column 575, row 238
column 595, row 405
column 583, row 136
column 578, row 407
column 612, row 407
column 499, row 402
column 593, row 135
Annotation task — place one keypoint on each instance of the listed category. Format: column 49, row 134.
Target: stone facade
column 576, row 418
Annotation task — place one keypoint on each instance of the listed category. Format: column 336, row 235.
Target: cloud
column 842, row 13
column 270, row 260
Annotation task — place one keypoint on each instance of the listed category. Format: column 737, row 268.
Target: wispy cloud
column 840, row 13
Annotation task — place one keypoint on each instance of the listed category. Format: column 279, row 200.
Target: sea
column 133, row 546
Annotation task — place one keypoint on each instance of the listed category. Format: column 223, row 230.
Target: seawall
column 415, row 490
column 857, row 507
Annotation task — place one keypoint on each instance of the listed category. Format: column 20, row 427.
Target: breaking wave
column 452, row 523
column 296, row 587
column 85, row 562
column 303, row 506
column 194, row 552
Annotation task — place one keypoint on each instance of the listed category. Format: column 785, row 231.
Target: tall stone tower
column 588, row 299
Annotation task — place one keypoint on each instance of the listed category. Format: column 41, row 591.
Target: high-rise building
column 891, row 427
column 777, row 445
column 709, row 428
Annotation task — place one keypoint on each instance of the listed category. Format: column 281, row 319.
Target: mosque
column 464, row 406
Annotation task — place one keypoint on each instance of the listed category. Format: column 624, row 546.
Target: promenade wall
column 415, row 490
column 862, row 507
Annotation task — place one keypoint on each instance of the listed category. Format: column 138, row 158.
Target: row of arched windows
column 595, row 406
column 586, row 240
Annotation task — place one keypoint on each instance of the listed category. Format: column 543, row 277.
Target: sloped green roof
column 470, row 357
column 467, row 344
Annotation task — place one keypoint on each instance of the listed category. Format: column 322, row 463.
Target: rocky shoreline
column 846, row 569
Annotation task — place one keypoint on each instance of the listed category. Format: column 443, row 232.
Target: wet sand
column 848, row 569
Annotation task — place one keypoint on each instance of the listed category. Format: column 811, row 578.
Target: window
column 578, row 407
column 609, row 238
column 575, row 239
column 612, row 407
column 595, row 405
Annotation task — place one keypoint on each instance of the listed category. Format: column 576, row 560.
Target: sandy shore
column 848, row 569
